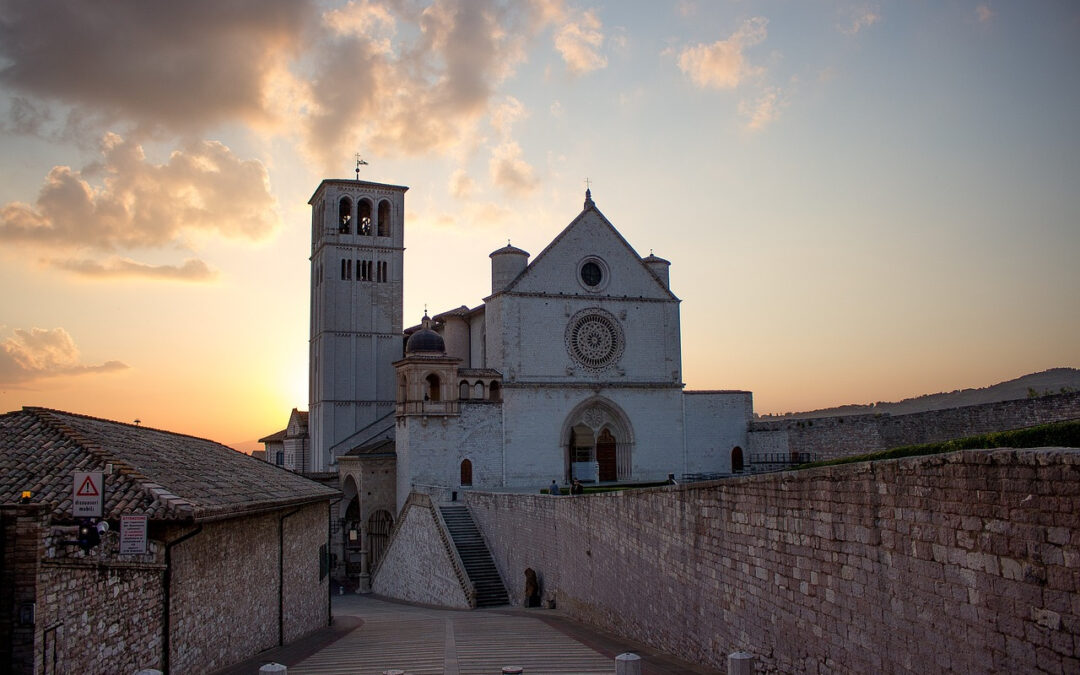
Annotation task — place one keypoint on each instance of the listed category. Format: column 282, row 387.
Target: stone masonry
column 844, row 435
column 965, row 562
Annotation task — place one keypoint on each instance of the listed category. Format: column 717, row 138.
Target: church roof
column 590, row 207
column 164, row 475
column 508, row 249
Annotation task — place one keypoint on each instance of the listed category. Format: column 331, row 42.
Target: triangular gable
column 590, row 233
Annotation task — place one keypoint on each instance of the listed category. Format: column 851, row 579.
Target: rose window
column 594, row 339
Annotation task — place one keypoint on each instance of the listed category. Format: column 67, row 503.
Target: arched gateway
column 597, row 440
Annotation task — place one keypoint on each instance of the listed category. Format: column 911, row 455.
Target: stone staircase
column 474, row 554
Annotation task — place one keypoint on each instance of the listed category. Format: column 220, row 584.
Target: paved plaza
column 371, row 636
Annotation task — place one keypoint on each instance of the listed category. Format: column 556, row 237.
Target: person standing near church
column 577, row 488
column 554, row 489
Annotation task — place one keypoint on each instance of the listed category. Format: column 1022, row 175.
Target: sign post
column 87, row 494
column 133, row 534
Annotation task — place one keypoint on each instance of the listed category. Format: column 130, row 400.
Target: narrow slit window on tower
column 342, row 269
column 384, row 218
column 344, row 215
column 348, row 270
column 364, row 209
column 359, row 270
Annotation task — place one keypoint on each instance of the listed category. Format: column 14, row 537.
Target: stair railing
column 467, row 586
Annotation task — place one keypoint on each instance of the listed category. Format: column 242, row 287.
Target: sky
column 861, row 201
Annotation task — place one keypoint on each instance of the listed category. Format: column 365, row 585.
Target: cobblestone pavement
column 428, row 641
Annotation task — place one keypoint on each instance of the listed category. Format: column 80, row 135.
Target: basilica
column 570, row 368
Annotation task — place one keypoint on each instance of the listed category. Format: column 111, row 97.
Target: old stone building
column 235, row 559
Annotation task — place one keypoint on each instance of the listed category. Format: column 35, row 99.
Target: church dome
column 425, row 340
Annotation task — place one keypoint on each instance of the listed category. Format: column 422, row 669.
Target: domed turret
column 425, row 340
column 659, row 267
column 506, row 264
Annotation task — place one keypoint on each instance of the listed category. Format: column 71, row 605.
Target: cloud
column 722, row 65
column 461, row 185
column 506, row 114
column 204, row 188
column 579, row 40
column 858, row 18
column 510, row 172
column 762, row 110
column 984, row 13
column 409, row 95
column 40, row 352
column 116, row 268
column 178, row 65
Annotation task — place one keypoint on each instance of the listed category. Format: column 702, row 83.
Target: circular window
column 594, row 339
column 593, row 274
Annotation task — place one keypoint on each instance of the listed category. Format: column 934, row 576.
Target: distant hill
column 1053, row 381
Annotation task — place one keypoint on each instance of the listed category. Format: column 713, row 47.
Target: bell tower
column 357, row 242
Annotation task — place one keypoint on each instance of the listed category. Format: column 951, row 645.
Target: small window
column 384, row 218
column 478, row 391
column 496, row 393
column 463, row 391
column 591, row 274
column 466, row 473
column 279, row 458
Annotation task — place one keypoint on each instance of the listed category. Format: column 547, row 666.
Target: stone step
column 475, row 556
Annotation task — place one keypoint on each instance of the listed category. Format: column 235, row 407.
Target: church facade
column 570, row 368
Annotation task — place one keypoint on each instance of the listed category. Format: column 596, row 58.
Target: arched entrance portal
column 379, row 525
column 598, row 440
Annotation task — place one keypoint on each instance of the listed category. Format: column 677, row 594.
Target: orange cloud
column 118, row 268
column 984, row 13
column 510, row 172
column 203, row 188
column 175, row 65
column 722, row 64
column 40, row 352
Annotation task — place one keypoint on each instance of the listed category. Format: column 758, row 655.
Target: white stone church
column 570, row 368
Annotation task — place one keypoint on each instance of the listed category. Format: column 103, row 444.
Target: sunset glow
column 860, row 201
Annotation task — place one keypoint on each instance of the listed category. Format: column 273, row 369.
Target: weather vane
column 359, row 163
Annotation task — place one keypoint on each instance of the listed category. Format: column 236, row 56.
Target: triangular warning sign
column 87, row 489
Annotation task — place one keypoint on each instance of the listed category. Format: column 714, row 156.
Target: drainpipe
column 281, row 575
column 166, row 588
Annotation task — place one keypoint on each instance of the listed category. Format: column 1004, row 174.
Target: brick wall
column 966, row 562
column 828, row 437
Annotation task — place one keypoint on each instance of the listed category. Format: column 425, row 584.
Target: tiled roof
column 276, row 437
column 164, row 475
column 383, row 446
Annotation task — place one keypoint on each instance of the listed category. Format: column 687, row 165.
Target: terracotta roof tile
column 164, row 475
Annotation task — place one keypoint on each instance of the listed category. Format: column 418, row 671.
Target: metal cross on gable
column 588, row 183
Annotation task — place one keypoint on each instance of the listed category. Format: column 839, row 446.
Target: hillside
column 1051, row 381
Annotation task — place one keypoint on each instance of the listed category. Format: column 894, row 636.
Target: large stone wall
column 21, row 526
column 419, row 565
column 843, row 435
column 966, row 562
column 224, row 589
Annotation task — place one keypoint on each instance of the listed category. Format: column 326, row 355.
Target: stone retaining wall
column 966, row 562
column 844, row 435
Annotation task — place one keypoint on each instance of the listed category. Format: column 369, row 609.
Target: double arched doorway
column 598, row 439
column 365, row 531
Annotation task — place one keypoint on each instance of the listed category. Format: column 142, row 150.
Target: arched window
column 378, row 530
column 478, row 391
column 463, row 391
column 402, row 389
column 736, row 460
column 344, row 215
column 495, row 391
column 384, row 218
column 433, row 387
column 364, row 209
column 466, row 473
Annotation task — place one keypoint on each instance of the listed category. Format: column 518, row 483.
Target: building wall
column 431, row 449
column 418, row 566
column 21, row 529
column 966, row 562
column 828, row 437
column 224, row 591
column 715, row 424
